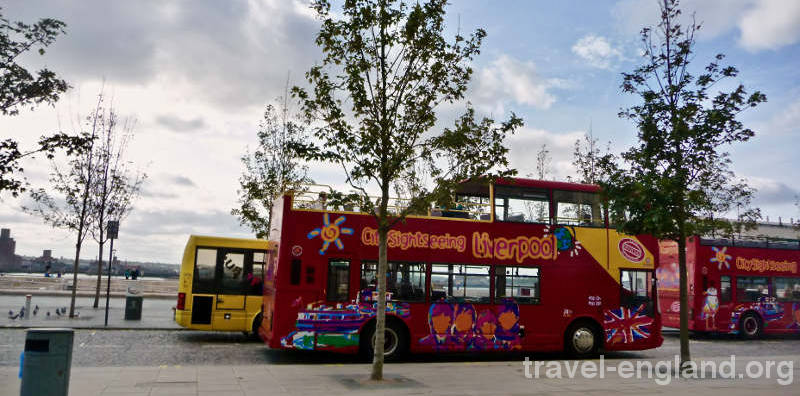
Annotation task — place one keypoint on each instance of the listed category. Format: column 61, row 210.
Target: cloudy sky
column 197, row 74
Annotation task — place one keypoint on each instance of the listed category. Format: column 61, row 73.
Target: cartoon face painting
column 440, row 318
column 460, row 327
column 487, row 325
column 465, row 319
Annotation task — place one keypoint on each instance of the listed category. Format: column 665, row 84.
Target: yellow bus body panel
column 237, row 319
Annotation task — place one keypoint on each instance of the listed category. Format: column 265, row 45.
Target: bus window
column 578, row 208
column 406, row 281
column 751, row 288
column 232, row 274
column 636, row 289
column 725, row 289
column 460, row 283
column 518, row 283
column 338, row 280
column 787, row 289
column 205, row 268
column 256, row 278
column 521, row 205
column 296, row 272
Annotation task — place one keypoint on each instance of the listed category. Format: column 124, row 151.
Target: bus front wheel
column 394, row 341
column 750, row 326
column 582, row 339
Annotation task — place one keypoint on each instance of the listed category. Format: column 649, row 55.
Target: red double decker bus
column 748, row 287
column 515, row 265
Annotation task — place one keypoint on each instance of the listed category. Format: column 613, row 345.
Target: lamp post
column 112, row 229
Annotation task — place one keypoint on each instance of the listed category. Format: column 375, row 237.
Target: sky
column 196, row 76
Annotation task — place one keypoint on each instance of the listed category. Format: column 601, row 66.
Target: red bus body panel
column 709, row 260
column 574, row 283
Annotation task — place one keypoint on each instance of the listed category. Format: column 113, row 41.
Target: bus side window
column 725, row 289
column 787, row 289
column 256, row 277
column 296, row 272
column 205, row 268
column 338, row 280
column 233, row 265
column 636, row 289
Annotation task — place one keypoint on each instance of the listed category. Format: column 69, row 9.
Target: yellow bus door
column 230, row 305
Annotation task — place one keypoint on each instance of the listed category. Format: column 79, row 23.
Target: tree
column 386, row 67
column 797, row 205
column 20, row 88
column 588, row 159
column 272, row 169
column 543, row 161
column 72, row 207
column 666, row 189
column 115, row 186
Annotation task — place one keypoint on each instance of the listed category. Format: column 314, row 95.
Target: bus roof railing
column 761, row 241
column 310, row 197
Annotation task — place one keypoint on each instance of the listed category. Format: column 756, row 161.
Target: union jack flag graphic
column 626, row 325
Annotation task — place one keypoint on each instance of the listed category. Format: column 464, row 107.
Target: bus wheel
column 582, row 339
column 394, row 341
column 256, row 325
column 750, row 326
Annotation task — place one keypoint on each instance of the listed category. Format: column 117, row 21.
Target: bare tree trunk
column 380, row 315
column 685, row 356
column 99, row 273
column 75, row 277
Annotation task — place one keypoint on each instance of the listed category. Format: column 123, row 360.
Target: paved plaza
column 464, row 378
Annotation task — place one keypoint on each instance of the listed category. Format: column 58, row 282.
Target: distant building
column 8, row 247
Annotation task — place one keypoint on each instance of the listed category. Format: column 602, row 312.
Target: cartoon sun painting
column 330, row 232
column 721, row 257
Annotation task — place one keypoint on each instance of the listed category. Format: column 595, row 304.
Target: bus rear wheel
column 582, row 339
column 256, row 324
column 750, row 326
column 395, row 343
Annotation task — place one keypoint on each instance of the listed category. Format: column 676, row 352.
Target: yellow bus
column 221, row 283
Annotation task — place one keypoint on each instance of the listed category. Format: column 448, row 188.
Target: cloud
column 527, row 142
column 770, row 24
column 785, row 122
column 183, row 222
column 762, row 24
column 178, row 124
column 772, row 192
column 597, row 51
column 230, row 53
column 182, row 181
column 507, row 78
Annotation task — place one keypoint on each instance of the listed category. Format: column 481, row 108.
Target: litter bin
column 133, row 305
column 47, row 361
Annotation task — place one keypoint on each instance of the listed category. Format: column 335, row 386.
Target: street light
column 112, row 229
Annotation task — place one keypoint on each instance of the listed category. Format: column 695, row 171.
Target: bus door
column 637, row 290
column 233, row 265
column 204, row 287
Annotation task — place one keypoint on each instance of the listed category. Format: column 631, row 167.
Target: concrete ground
column 156, row 313
column 464, row 378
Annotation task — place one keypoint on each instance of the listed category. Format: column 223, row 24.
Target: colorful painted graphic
column 795, row 325
column 710, row 307
column 458, row 327
column 667, row 275
column 322, row 326
column 626, row 325
column 330, row 232
column 766, row 307
column 721, row 257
